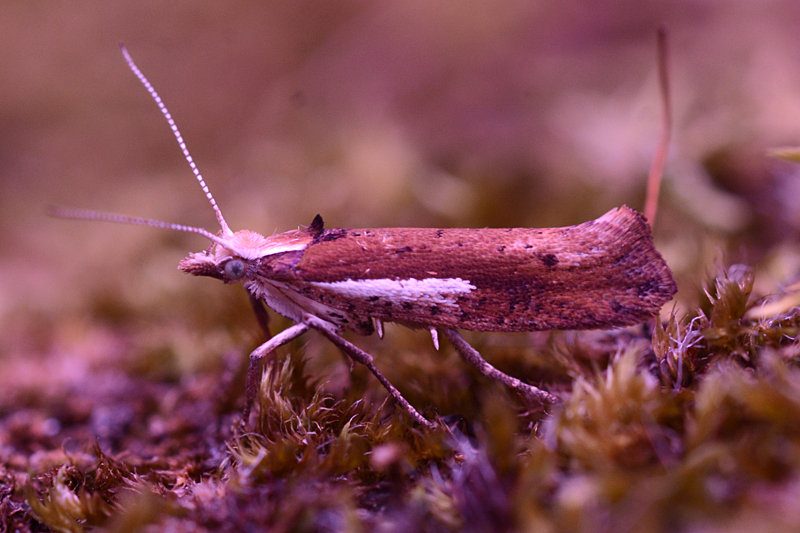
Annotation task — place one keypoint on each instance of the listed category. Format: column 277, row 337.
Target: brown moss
column 695, row 423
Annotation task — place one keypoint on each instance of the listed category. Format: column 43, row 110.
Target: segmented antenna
column 90, row 214
column 226, row 231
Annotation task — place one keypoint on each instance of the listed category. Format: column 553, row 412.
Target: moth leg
column 360, row 356
column 262, row 317
column 251, row 388
column 435, row 337
column 474, row 358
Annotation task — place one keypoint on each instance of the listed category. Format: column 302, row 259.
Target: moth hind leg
column 473, row 357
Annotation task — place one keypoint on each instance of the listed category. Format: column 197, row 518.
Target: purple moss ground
column 694, row 426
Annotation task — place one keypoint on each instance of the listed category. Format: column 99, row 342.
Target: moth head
column 239, row 257
column 232, row 256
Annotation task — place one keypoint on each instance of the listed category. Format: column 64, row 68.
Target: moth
column 603, row 273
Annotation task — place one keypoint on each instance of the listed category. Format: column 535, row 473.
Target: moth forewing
column 602, row 273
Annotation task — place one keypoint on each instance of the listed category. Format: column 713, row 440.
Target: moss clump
column 694, row 425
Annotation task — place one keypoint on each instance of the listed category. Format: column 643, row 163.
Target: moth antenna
column 90, row 214
column 175, row 131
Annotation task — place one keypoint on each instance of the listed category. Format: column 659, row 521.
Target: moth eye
column 234, row 269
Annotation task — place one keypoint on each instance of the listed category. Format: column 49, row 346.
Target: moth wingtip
column 632, row 221
column 627, row 211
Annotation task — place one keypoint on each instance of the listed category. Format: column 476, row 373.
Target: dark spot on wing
column 549, row 260
column 646, row 288
column 403, row 249
column 330, row 235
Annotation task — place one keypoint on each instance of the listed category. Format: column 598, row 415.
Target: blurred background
column 371, row 113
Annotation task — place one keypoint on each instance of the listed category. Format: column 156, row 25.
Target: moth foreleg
column 262, row 316
column 474, row 358
column 251, row 388
column 360, row 356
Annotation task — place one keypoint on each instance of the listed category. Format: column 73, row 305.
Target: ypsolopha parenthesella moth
column 603, row 273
